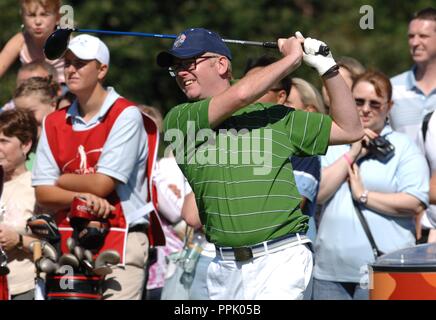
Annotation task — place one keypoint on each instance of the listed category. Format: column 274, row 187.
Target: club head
column 48, row 251
column 89, row 257
column 71, row 244
column 102, row 271
column 46, row 265
column 69, row 259
column 89, row 267
column 108, row 257
column 57, row 43
column 78, row 252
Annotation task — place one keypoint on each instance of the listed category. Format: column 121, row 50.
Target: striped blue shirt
column 410, row 104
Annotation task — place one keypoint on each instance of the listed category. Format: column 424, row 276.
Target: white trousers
column 283, row 275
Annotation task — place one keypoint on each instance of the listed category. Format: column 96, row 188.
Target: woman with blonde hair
column 305, row 96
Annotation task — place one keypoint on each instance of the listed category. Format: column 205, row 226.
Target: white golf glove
column 317, row 61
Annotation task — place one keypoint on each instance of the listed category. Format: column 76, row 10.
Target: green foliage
column 133, row 69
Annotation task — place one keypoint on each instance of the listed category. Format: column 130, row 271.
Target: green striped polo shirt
column 240, row 172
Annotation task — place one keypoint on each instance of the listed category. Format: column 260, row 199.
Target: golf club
column 47, row 250
column 46, row 265
column 69, row 260
column 89, row 268
column 88, row 256
column 104, row 261
column 107, row 257
column 102, row 271
column 71, row 244
column 57, row 42
column 78, row 252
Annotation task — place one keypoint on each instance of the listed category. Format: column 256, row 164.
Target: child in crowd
column 38, row 95
column 40, row 18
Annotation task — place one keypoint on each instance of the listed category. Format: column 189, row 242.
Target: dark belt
column 250, row 252
column 139, row 228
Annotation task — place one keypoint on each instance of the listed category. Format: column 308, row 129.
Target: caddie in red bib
column 93, row 165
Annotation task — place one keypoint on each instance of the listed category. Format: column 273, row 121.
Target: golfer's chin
column 192, row 95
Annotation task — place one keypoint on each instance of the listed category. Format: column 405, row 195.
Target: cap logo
column 83, row 41
column 179, row 41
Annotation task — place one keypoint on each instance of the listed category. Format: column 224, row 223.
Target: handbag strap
column 375, row 250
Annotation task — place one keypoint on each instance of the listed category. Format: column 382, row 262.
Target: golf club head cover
column 45, row 227
column 88, row 230
column 80, row 213
column 92, row 235
column 317, row 61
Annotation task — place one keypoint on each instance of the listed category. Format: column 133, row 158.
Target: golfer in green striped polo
column 235, row 155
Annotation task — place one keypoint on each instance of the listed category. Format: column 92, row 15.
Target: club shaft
column 172, row 36
column 324, row 50
column 266, row 44
column 128, row 33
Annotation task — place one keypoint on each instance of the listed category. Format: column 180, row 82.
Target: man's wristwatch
column 20, row 241
column 363, row 199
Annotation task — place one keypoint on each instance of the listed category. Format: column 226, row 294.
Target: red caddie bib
column 78, row 152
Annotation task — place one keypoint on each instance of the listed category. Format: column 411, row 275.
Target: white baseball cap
column 88, row 47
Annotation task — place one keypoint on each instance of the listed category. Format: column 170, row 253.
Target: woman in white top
column 18, row 131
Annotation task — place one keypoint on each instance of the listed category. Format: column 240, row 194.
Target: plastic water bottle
column 191, row 260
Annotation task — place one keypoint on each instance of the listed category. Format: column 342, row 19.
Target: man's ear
column 223, row 65
column 281, row 97
column 102, row 71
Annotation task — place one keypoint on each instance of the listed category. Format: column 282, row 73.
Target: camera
column 380, row 148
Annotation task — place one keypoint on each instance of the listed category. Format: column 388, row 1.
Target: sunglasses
column 188, row 64
column 373, row 104
column 76, row 63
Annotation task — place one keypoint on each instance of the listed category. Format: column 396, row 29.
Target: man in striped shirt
column 414, row 91
column 235, row 155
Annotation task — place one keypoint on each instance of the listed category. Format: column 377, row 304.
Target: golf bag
column 73, row 287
